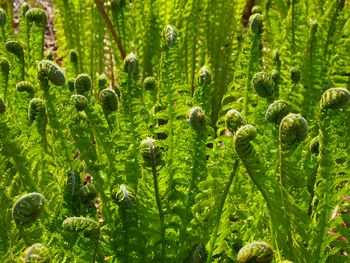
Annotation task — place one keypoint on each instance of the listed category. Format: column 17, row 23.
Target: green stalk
column 219, row 212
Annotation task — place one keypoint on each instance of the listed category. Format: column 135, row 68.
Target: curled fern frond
column 24, row 8
column 15, row 48
column 80, row 102
column 335, row 98
column 37, row 16
column 259, row 252
column 125, row 197
column 233, row 120
column 204, row 76
column 2, row 17
column 51, row 71
column 263, row 84
column 73, row 56
column 197, row 118
column 131, row 65
column 4, row 66
column 37, row 110
column 25, row 86
column 36, row 253
column 81, row 225
column 151, row 152
column 2, row 106
column 108, row 100
column 257, row 9
column 102, row 82
column 150, row 83
column 315, row 145
column 70, row 84
column 295, row 74
column 242, row 140
column 293, row 129
column 82, row 83
column 277, row 111
column 27, row 209
column 256, row 24
column 169, row 36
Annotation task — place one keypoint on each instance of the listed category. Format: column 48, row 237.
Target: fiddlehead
column 197, row 118
column 233, row 120
column 83, row 84
column 15, row 48
column 81, row 225
column 36, row 253
column 80, row 102
column 259, row 252
column 335, row 98
column 256, row 24
column 293, row 129
column 109, row 101
column 37, row 111
column 263, row 84
column 70, row 84
column 37, row 16
column 49, row 70
column 277, row 111
column 27, row 209
column 25, row 86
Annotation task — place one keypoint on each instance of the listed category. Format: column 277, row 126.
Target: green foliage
column 174, row 131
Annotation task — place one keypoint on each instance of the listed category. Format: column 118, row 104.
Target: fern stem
column 219, row 212
column 159, row 205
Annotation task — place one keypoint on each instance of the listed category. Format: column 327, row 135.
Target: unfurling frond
column 259, row 252
column 131, row 65
column 27, row 209
column 51, row 71
column 256, row 24
column 242, row 140
column 37, row 110
column 151, row 152
column 109, row 100
column 293, row 129
column 233, row 120
column 263, row 84
column 335, row 98
column 15, row 48
column 36, row 253
column 82, row 83
column 80, row 102
column 204, row 77
column 81, row 225
column 277, row 111
column 37, row 16
column 197, row 118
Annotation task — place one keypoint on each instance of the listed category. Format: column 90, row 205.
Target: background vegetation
column 174, row 131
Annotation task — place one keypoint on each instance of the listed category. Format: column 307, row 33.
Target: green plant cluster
column 175, row 131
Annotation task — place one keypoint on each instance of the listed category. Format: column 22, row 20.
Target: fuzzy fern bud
column 197, row 118
column 2, row 106
column 151, row 152
column 27, row 209
column 335, row 98
column 37, row 110
column 2, row 17
column 295, row 74
column 70, row 84
column 15, row 48
column 36, row 253
column 37, row 16
column 315, row 145
column 25, row 86
column 73, row 56
column 242, row 139
column 256, row 24
column 257, row 9
column 233, row 120
column 277, row 111
column 293, row 129
column 125, row 197
column 131, row 65
column 204, row 77
column 4, row 66
column 259, row 252
column 150, row 83
column 82, row 225
column 80, row 102
column 82, row 83
column 51, row 71
column 169, row 36
column 263, row 84
column 102, row 82
column 108, row 100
